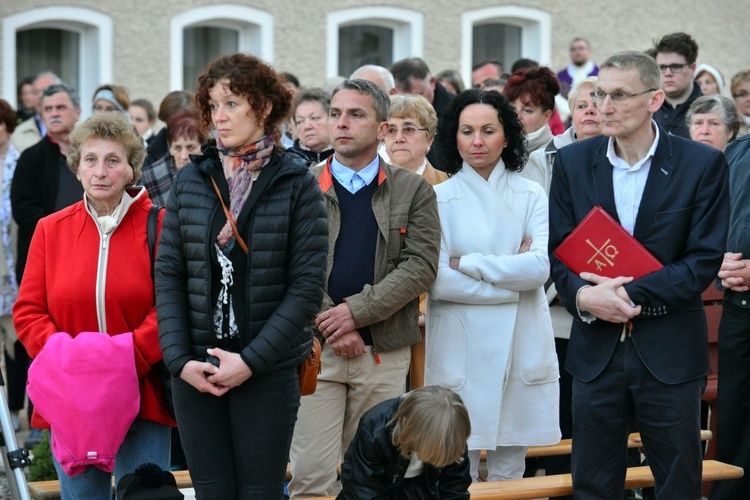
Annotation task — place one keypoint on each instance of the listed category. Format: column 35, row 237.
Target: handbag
column 310, row 367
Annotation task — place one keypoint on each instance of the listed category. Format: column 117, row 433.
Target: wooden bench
column 564, row 447
column 562, row 484
column 47, row 490
column 712, row 302
column 51, row 489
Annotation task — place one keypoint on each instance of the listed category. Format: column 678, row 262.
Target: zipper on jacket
column 209, row 269
column 101, row 281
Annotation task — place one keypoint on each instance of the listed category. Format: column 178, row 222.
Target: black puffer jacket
column 312, row 157
column 374, row 469
column 284, row 224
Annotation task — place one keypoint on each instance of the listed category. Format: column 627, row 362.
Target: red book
column 600, row 245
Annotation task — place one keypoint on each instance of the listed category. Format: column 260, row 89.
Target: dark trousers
column 733, row 424
column 605, row 411
column 237, row 445
column 17, row 368
column 561, row 464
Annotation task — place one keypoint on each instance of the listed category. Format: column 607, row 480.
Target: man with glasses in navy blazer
column 638, row 349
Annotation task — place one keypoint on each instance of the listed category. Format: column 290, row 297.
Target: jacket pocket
column 675, row 222
column 446, row 349
column 534, row 346
column 397, row 235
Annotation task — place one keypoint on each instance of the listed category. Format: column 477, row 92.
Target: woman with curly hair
column 532, row 91
column 239, row 277
column 489, row 335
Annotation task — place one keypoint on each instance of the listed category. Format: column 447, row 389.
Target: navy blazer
column 682, row 220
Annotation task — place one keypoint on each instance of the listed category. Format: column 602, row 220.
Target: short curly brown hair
column 253, row 79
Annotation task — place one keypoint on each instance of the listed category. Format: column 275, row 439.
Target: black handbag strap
column 151, row 224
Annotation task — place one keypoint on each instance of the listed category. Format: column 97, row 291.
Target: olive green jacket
column 406, row 256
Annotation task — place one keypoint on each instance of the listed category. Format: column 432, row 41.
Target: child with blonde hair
column 410, row 447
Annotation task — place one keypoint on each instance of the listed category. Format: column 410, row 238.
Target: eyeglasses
column 598, row 96
column 674, row 68
column 407, row 130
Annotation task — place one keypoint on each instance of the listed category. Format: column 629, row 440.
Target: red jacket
column 61, row 286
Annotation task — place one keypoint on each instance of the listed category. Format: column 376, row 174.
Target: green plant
column 42, row 467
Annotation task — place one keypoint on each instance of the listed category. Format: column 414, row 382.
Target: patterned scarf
column 241, row 167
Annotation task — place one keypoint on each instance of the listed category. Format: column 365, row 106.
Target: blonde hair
column 415, row 106
column 433, row 422
column 589, row 81
column 738, row 79
column 111, row 127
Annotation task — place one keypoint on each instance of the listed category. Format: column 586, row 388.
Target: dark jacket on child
column 374, row 469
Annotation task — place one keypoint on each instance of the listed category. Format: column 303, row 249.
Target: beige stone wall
column 141, row 31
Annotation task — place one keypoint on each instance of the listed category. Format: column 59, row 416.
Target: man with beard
column 581, row 66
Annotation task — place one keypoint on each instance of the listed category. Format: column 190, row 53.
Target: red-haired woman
column 185, row 136
column 532, row 91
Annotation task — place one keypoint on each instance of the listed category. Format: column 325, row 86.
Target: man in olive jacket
column 384, row 236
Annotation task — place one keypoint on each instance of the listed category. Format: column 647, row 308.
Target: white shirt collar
column 618, row 162
column 354, row 180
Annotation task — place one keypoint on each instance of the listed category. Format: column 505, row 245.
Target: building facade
column 155, row 46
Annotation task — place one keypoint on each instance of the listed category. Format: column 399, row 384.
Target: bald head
column 378, row 75
column 41, row 82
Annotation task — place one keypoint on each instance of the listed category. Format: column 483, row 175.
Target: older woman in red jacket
column 89, row 269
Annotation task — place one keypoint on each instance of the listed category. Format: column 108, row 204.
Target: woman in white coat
column 489, row 331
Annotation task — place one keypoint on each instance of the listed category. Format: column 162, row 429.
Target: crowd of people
column 410, row 223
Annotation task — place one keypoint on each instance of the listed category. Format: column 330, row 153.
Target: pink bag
column 86, row 388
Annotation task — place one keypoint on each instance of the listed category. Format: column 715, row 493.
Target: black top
column 441, row 102
column 673, row 119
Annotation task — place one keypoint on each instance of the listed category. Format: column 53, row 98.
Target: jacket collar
column 325, row 179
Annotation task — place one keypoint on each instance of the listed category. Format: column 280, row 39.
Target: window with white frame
column 371, row 35
column 364, row 44
column 203, row 44
column 200, row 35
column 48, row 49
column 498, row 41
column 75, row 43
column 506, row 33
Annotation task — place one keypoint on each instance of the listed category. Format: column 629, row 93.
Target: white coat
column 489, row 335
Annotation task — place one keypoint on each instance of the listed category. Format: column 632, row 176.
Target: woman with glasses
column 411, row 130
column 532, row 91
column 489, row 331
column 586, row 120
column 741, row 95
